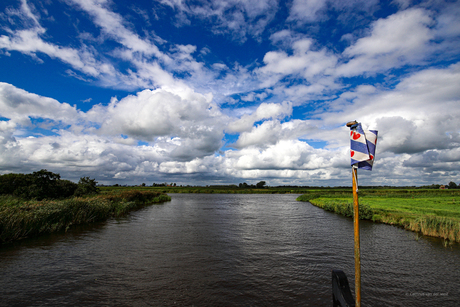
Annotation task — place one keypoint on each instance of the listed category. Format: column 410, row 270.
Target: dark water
column 226, row 250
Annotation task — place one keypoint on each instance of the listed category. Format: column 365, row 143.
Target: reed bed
column 343, row 208
column 21, row 219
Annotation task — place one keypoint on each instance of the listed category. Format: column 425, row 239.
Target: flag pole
column 356, row 229
column 356, row 232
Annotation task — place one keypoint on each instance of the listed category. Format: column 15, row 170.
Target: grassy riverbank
column 431, row 212
column 28, row 218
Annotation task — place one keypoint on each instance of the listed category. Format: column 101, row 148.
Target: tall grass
column 343, row 208
column 21, row 219
column 432, row 213
column 434, row 226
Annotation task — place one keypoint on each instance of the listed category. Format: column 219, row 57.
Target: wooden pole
column 356, row 231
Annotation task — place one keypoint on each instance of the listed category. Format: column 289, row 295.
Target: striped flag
column 362, row 146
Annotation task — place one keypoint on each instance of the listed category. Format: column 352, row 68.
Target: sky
column 211, row 92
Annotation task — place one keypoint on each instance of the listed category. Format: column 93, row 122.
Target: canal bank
column 429, row 212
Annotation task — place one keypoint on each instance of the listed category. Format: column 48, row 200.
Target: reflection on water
column 226, row 250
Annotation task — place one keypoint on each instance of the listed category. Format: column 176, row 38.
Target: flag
column 362, row 146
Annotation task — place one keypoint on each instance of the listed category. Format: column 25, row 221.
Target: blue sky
column 230, row 91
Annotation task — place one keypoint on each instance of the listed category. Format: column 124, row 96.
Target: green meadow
column 431, row 212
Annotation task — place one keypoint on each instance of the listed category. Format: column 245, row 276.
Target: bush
column 86, row 186
column 11, row 182
column 45, row 185
column 38, row 185
column 66, row 188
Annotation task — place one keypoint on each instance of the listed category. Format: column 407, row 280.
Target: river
column 227, row 250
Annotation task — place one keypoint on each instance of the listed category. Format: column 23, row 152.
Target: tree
column 86, row 186
column 66, row 188
column 38, row 185
column 260, row 184
column 9, row 183
column 45, row 185
column 452, row 185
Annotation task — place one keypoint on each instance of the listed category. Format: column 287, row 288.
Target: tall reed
column 20, row 219
column 344, row 208
column 428, row 224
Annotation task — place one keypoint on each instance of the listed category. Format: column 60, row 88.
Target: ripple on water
column 226, row 250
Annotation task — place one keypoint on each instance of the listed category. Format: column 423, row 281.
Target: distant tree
column 9, row 183
column 86, row 186
column 66, row 188
column 143, row 184
column 45, row 185
column 45, row 176
column 38, row 185
column 260, row 184
column 452, row 185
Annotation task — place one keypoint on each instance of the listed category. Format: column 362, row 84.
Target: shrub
column 86, row 186
column 38, row 185
column 66, row 188
column 45, row 185
column 10, row 182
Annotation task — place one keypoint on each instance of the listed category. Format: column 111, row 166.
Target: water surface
column 226, row 250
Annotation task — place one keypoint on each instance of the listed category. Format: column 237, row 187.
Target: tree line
column 259, row 185
column 451, row 185
column 45, row 185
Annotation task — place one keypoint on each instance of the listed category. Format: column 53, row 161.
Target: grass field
column 28, row 218
column 431, row 212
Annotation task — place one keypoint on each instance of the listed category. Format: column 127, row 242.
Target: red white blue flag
column 362, row 147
